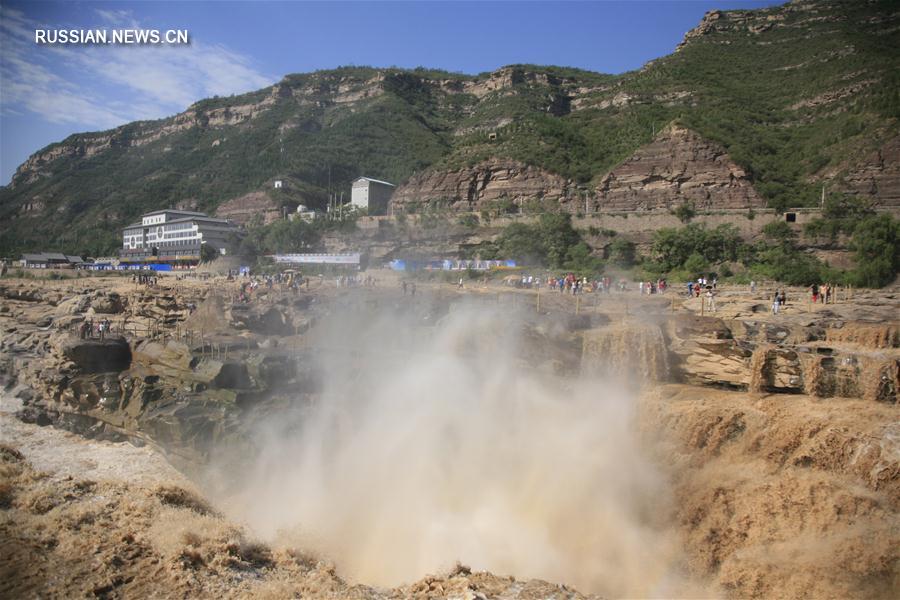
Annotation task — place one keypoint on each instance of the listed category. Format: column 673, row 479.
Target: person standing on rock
column 776, row 303
column 711, row 298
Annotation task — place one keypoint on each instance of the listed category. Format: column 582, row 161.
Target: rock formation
column 243, row 208
column 678, row 167
column 878, row 176
column 471, row 188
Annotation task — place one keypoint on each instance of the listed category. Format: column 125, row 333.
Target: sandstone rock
column 243, row 208
column 678, row 167
column 99, row 356
column 470, row 188
column 878, row 176
column 109, row 304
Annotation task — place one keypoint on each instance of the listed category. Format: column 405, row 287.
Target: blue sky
column 48, row 92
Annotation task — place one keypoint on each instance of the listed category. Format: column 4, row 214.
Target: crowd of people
column 148, row 279
column 822, row 293
column 355, row 281
column 89, row 329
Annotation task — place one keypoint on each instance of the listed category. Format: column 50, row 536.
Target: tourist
column 776, row 303
column 752, row 287
column 711, row 298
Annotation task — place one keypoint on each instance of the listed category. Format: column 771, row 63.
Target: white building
column 304, row 213
column 174, row 236
column 371, row 194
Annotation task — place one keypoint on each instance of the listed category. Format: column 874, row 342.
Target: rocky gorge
column 809, row 397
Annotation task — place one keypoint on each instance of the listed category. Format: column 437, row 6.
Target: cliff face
column 135, row 135
column 678, row 167
column 241, row 210
column 472, row 188
column 878, row 176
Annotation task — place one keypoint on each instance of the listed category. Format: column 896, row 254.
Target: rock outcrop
column 243, row 208
column 471, row 188
column 878, row 176
column 678, row 167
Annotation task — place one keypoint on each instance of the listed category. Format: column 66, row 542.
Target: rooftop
column 375, row 181
column 172, row 210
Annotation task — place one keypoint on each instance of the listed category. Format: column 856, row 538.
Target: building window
column 790, row 217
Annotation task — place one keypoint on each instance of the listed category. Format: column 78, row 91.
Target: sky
column 49, row 91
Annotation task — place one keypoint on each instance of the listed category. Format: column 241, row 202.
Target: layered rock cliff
column 678, row 167
column 472, row 188
column 878, row 176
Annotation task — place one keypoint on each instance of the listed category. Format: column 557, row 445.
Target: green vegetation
column 552, row 242
column 876, row 244
column 693, row 250
column 685, row 212
column 622, row 253
column 840, row 215
column 695, row 247
column 290, row 236
column 208, row 253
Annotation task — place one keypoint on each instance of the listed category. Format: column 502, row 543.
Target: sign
column 318, row 259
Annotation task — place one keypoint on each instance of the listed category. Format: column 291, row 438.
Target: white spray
column 450, row 448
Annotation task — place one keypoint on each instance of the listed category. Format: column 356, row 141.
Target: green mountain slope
column 798, row 95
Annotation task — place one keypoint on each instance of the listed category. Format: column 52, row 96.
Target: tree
column 519, row 241
column 685, row 212
column 208, row 253
column 557, row 235
column 622, row 253
column 876, row 244
column 780, row 232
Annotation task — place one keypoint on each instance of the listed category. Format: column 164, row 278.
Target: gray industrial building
column 371, row 194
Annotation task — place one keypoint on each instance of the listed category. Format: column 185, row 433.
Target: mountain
column 754, row 108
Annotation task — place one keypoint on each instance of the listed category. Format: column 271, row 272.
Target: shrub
column 622, row 253
column 685, row 212
column 468, row 220
column 876, row 245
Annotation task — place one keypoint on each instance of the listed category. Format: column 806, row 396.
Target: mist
column 431, row 443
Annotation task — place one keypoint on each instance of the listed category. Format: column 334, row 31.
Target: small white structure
column 278, row 184
column 304, row 213
column 371, row 194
